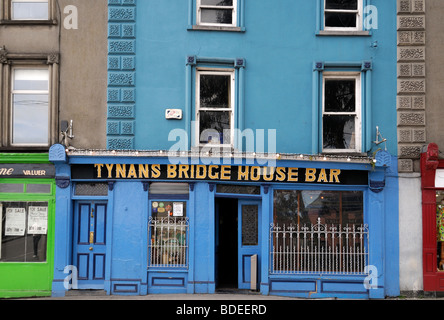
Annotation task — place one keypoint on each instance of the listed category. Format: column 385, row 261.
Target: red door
column 433, row 278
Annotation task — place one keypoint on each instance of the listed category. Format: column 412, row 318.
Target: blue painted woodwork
column 128, row 210
column 246, row 251
column 279, row 53
column 90, row 244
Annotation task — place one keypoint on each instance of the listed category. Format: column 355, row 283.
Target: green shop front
column 27, row 202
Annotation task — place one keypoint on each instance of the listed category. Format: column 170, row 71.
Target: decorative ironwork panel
column 91, row 189
column 250, row 225
column 168, row 245
column 319, row 249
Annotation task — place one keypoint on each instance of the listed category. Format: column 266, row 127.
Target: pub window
column 217, row 12
column 24, row 231
column 343, row 15
column 168, row 225
column 215, row 107
column 316, row 231
column 168, row 231
column 341, row 112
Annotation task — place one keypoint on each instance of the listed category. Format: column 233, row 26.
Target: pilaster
column 121, row 74
column 411, row 99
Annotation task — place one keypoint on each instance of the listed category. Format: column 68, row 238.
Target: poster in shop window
column 37, row 220
column 177, row 209
column 15, row 222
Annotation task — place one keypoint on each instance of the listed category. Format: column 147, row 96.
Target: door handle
column 91, row 237
column 90, row 248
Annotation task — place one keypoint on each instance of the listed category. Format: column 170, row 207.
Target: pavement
column 229, row 295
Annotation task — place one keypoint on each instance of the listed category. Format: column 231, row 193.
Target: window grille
column 168, row 247
column 319, row 249
column 237, row 189
column 91, row 189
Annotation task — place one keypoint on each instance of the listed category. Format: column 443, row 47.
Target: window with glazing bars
column 343, row 15
column 168, row 231
column 216, row 12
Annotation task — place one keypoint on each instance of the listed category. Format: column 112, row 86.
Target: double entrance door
column 237, row 240
column 89, row 243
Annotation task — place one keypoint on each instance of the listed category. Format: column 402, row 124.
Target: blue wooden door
column 90, row 244
column 248, row 240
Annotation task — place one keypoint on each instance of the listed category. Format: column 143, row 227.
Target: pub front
column 140, row 223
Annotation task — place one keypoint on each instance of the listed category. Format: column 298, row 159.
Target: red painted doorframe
column 433, row 280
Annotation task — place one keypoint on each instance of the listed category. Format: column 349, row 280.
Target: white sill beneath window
column 343, row 33
column 215, row 28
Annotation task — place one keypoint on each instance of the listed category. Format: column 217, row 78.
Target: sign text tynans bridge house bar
column 220, row 173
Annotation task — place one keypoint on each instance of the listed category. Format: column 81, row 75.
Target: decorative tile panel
column 121, row 74
column 411, row 101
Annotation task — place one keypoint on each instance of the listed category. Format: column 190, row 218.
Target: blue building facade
column 250, row 145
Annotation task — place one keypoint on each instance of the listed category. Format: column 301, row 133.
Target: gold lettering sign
column 218, row 173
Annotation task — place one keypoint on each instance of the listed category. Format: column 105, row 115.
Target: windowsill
column 343, row 153
column 24, row 148
column 215, row 28
column 343, row 33
column 168, row 269
column 29, row 22
column 314, row 275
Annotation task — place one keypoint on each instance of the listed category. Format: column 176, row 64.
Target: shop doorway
column 237, row 239
column 89, row 240
column 226, row 243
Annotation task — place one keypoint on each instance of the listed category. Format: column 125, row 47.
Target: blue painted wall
column 280, row 46
column 148, row 74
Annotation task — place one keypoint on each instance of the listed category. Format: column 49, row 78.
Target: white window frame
column 359, row 18
column 23, row 19
column 198, row 109
column 357, row 76
column 11, row 107
column 200, row 6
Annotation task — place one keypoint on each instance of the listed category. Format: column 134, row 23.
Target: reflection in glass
column 340, row 95
column 11, row 187
column 222, row 16
column 38, row 188
column 295, row 207
column 215, row 127
column 340, row 20
column 217, row 2
column 216, row 11
column 317, row 231
column 168, row 227
column 341, row 4
column 339, row 132
column 30, row 106
column 35, row 10
column 215, row 91
column 30, row 118
column 23, row 234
